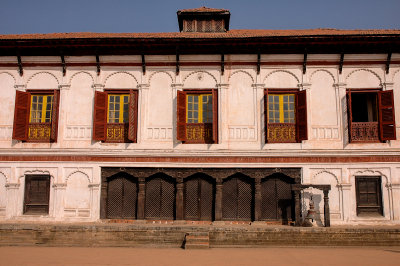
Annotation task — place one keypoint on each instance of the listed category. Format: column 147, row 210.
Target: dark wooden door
column 277, row 201
column 37, row 194
column 238, row 198
column 369, row 199
column 199, row 198
column 160, row 198
column 122, row 197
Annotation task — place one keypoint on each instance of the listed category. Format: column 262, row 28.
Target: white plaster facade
column 75, row 186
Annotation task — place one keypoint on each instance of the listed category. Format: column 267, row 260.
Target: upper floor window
column 197, row 120
column 115, row 116
column 370, row 115
column 36, row 116
column 285, row 116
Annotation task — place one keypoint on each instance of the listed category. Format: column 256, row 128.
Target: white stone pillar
column 223, row 111
column 62, row 112
column 340, row 91
column 59, row 200
column 395, row 189
column 259, row 109
column 142, row 100
column 347, row 201
column 12, row 202
column 95, row 201
column 175, row 88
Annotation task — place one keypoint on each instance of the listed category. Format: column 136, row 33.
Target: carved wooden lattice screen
column 199, row 199
column 37, row 194
column 122, row 198
column 237, row 198
column 276, row 199
column 160, row 198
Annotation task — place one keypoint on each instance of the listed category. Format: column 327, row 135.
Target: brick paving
column 229, row 256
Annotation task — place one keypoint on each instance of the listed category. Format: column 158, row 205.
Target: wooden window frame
column 101, row 114
column 300, row 115
column 361, row 209
column 27, row 201
column 386, row 123
column 182, row 115
column 22, row 117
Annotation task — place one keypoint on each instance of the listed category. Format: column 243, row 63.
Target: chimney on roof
column 203, row 19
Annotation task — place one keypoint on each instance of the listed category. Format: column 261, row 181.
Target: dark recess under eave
column 163, row 46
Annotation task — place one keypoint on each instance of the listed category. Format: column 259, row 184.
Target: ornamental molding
column 81, row 72
column 281, row 70
column 366, row 70
column 122, row 73
column 160, row 72
column 75, row 172
column 5, row 176
column 323, row 70
column 327, row 172
column 12, row 185
column 370, row 172
column 201, row 73
column 41, row 73
column 241, row 71
column 8, row 73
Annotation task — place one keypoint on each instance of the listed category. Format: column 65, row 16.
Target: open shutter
column 215, row 115
column 100, row 115
column 387, row 124
column 181, row 116
column 266, row 115
column 133, row 115
column 301, row 115
column 21, row 115
column 54, row 116
column 349, row 113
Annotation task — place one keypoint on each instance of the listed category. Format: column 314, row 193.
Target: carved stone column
column 327, row 217
column 94, row 196
column 297, row 207
column 141, row 199
column 346, row 200
column 59, row 199
column 12, row 208
column 218, row 200
column 396, row 201
column 179, row 199
column 175, row 88
column 257, row 200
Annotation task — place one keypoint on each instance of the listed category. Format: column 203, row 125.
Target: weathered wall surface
column 75, row 186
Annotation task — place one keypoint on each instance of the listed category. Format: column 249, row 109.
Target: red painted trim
column 198, row 159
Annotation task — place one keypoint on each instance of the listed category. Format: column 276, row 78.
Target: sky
column 48, row 16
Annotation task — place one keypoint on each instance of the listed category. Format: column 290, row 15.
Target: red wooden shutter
column 301, row 115
column 21, row 115
column 54, row 116
column 181, row 116
column 100, row 115
column 349, row 113
column 215, row 115
column 387, row 124
column 266, row 115
column 133, row 115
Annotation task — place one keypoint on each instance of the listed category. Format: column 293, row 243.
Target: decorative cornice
column 59, row 185
column 64, row 86
column 12, row 185
column 143, row 86
column 98, row 87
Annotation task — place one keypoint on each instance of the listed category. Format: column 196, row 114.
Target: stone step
column 197, row 246
column 197, row 240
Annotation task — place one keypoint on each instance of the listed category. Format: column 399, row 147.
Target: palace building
column 206, row 124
